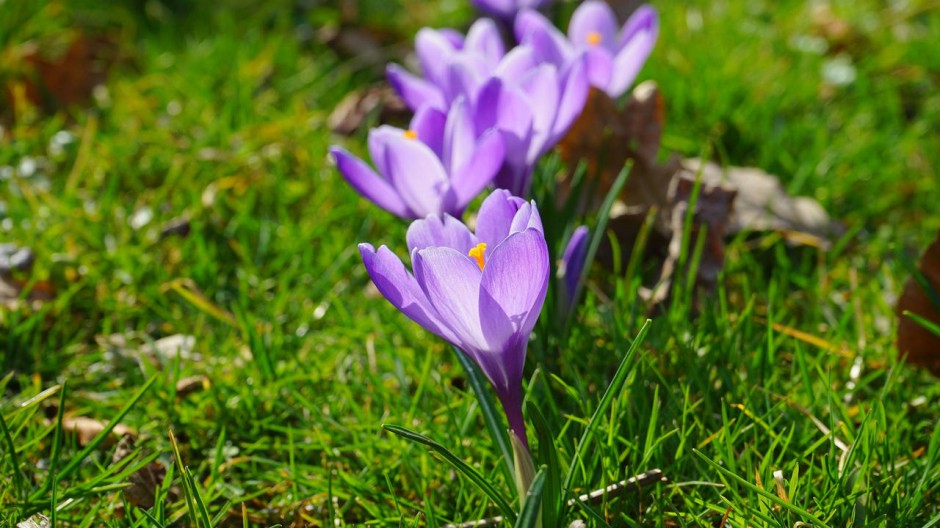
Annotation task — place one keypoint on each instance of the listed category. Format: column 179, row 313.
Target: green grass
column 219, row 116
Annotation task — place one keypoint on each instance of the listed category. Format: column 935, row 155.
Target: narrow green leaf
column 458, row 464
column 620, row 377
column 491, row 414
column 548, row 458
column 18, row 482
column 933, row 327
column 760, row 491
column 187, row 491
column 529, row 514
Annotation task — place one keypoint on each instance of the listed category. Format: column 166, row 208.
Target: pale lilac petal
column 639, row 38
column 644, row 19
column 499, row 105
column 434, row 53
column 541, row 87
column 550, row 45
column 484, row 39
column 573, row 98
column 600, row 67
column 436, row 232
column 516, row 63
column 459, row 137
column 378, row 144
column 416, row 172
column 453, row 36
column 462, row 79
column 512, row 291
column 369, row 184
column 593, row 24
column 414, row 91
column 527, row 217
column 429, row 124
column 451, row 281
column 479, row 171
column 401, row 289
column 496, row 215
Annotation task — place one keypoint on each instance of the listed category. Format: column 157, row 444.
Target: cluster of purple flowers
column 485, row 114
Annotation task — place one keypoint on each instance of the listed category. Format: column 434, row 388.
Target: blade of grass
column 491, row 414
column 548, row 457
column 620, row 377
column 458, row 464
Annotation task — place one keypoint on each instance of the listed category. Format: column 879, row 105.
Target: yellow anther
column 594, row 38
column 411, row 134
column 477, row 253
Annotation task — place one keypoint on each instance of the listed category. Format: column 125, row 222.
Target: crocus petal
column 436, row 232
column 414, row 91
column 550, row 45
column 451, row 281
column 483, row 38
column 453, row 36
column 516, row 63
column 378, row 144
column 459, row 137
column 480, row 169
column 462, row 79
column 401, row 289
column 574, row 95
column 429, row 124
column 499, row 105
column 512, row 290
column 541, row 87
column 639, row 38
column 600, row 66
column 495, row 216
column 527, row 217
column 369, row 184
column 434, row 53
column 572, row 263
column 593, row 24
column 416, row 172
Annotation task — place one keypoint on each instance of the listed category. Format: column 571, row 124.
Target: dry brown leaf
column 762, row 204
column 356, row 108
column 36, row 521
column 86, row 429
column 143, row 483
column 192, row 384
column 919, row 344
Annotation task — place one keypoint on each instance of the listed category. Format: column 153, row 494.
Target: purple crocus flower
column 614, row 58
column 437, row 166
column 482, row 291
column 507, row 9
column 570, row 268
column 438, row 51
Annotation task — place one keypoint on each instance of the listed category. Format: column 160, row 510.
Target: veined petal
column 592, row 25
column 574, row 94
column 638, row 39
column 429, row 123
column 527, row 217
column 436, row 232
column 500, row 105
column 414, row 91
column 484, row 39
column 401, row 289
column 512, row 291
column 417, row 173
column 480, row 169
column 541, row 87
column 459, row 137
column 496, row 215
column 369, row 184
column 550, row 45
column 434, row 52
column 451, row 281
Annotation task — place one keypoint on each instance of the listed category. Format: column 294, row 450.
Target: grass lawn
column 780, row 401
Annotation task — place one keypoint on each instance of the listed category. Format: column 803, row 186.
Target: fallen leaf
column 357, row 108
column 144, row 482
column 762, row 204
column 920, row 345
column 86, row 429
column 36, row 521
column 192, row 384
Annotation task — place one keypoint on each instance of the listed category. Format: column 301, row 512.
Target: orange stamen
column 411, row 134
column 477, row 253
column 594, row 38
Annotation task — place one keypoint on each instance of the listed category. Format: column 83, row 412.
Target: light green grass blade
column 529, row 513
